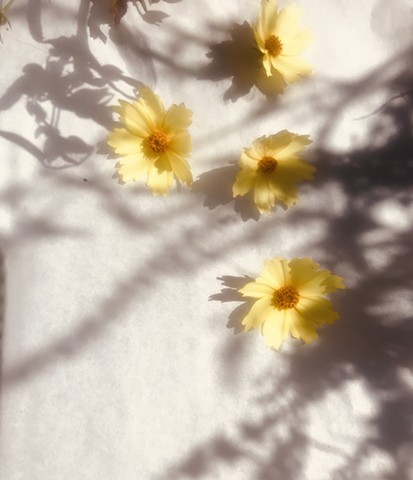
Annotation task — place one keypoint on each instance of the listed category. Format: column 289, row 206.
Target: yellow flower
column 3, row 16
column 290, row 300
column 281, row 40
column 153, row 142
column 271, row 168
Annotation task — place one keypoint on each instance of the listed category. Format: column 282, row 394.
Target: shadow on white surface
column 369, row 238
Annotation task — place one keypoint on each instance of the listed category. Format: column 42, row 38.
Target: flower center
column 273, row 45
column 267, row 164
column 285, row 298
column 157, row 141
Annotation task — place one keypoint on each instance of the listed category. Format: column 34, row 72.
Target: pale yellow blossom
column 271, row 168
column 153, row 142
column 281, row 40
column 290, row 300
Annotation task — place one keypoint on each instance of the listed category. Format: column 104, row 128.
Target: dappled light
column 125, row 308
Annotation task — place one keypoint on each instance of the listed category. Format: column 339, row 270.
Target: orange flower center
column 267, row 164
column 285, row 298
column 273, row 45
column 157, row 141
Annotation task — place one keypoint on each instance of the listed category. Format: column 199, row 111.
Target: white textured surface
column 116, row 364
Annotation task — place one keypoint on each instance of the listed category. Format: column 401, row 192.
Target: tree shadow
column 239, row 60
column 370, row 346
column 72, row 83
column 100, row 17
column 2, row 305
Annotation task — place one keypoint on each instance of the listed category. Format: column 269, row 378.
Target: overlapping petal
column 153, row 141
column 279, row 184
column 284, row 27
column 305, row 315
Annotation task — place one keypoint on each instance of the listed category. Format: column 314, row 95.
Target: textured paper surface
column 116, row 363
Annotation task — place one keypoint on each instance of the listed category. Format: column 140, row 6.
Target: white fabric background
column 116, row 363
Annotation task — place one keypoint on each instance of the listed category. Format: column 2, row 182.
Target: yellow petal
column 301, row 327
column 288, row 22
column 294, row 170
column 285, row 192
column 256, row 290
column 268, row 18
column 257, row 150
column 267, row 63
column 249, row 159
column 276, row 328
column 133, row 120
column 177, row 117
column 263, row 197
column 181, row 143
column 151, row 104
column 160, row 181
column 244, row 182
column 291, row 68
column 310, row 280
column 123, row 142
column 132, row 167
column 296, row 144
column 295, row 45
column 333, row 283
column 316, row 310
column 180, row 167
column 259, row 38
column 259, row 312
column 276, row 273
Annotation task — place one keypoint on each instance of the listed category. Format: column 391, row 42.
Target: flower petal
column 333, row 283
column 263, row 196
column 160, row 181
column 124, row 142
column 291, row 68
column 180, row 167
column 181, row 143
column 244, row 182
column 256, row 290
column 249, row 158
column 151, row 104
column 275, row 273
column 177, row 117
column 268, row 18
column 296, row 145
column 132, row 167
column 302, row 327
column 267, row 63
column 259, row 312
column 310, row 281
column 294, row 170
column 133, row 119
column 288, row 22
column 276, row 328
column 316, row 310
column 295, row 45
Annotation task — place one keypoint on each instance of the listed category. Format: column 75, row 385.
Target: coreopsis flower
column 153, row 141
column 3, row 16
column 281, row 40
column 271, row 167
column 290, row 300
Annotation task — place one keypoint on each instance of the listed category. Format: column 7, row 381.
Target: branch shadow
column 371, row 343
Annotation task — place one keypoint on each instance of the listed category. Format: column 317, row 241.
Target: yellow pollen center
column 157, row 141
column 285, row 298
column 267, row 164
column 273, row 45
